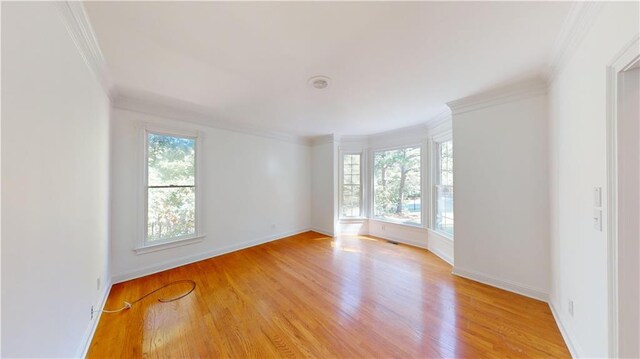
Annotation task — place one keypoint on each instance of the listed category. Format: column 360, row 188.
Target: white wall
column 323, row 172
column 416, row 236
column 501, row 206
column 55, row 157
column 249, row 184
column 578, row 164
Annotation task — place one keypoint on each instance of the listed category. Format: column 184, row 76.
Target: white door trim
column 627, row 57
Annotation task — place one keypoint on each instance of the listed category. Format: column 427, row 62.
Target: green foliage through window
column 170, row 187
column 351, row 186
column 444, row 188
column 396, row 185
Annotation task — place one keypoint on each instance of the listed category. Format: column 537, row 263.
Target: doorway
column 624, row 203
column 629, row 212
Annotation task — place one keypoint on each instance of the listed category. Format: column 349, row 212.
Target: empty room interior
column 320, row 179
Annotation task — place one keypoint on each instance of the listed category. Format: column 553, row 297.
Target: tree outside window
column 397, row 185
column 171, row 190
column 444, row 188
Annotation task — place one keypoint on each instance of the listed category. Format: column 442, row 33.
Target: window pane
column 444, row 189
column 397, row 185
column 170, row 213
column 171, row 160
column 350, row 201
column 347, row 191
column 446, row 163
column 444, row 208
column 347, row 177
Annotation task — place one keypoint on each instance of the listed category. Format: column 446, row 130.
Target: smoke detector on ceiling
column 319, row 82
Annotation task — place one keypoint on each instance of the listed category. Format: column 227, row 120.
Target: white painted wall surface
column 352, row 227
column 578, row 164
column 323, row 198
column 413, row 235
column 501, row 206
column 55, row 183
column 248, row 183
column 441, row 246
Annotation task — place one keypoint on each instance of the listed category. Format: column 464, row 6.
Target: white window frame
column 144, row 245
column 436, row 141
column 372, row 214
column 341, row 185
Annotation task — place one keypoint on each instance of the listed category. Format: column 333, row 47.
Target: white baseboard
column 402, row 240
column 122, row 277
column 563, row 331
column 441, row 246
column 428, row 246
column 502, row 284
column 83, row 349
column 441, row 254
column 322, row 231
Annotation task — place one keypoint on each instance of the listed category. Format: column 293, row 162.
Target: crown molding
column 174, row 109
column 321, row 140
column 358, row 141
column 411, row 132
column 441, row 128
column 415, row 133
column 581, row 16
column 439, row 119
column 514, row 92
column 79, row 27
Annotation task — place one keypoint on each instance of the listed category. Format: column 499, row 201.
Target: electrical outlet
column 384, row 228
column 98, row 283
column 91, row 312
column 273, row 226
column 570, row 307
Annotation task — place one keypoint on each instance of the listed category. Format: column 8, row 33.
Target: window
column 170, row 209
column 444, row 188
column 396, row 185
column 351, row 199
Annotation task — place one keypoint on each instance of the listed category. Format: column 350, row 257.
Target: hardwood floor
column 314, row 296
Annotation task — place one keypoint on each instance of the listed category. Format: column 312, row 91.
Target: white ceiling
column 392, row 64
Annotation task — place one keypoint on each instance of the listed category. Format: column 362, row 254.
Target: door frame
column 625, row 59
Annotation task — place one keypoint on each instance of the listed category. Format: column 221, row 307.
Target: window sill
column 167, row 245
column 442, row 234
column 352, row 219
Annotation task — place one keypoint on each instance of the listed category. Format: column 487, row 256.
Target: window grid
column 351, row 186
column 444, row 188
column 171, row 188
